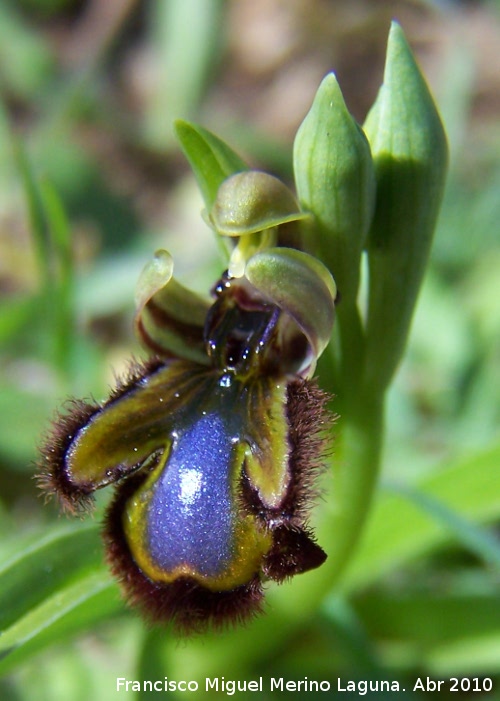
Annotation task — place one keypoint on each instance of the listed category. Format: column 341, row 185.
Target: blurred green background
column 92, row 182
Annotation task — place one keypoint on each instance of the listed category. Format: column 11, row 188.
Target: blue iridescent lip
column 190, row 519
column 213, row 455
column 200, row 557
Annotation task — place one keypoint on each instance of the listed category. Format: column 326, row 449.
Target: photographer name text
column 361, row 687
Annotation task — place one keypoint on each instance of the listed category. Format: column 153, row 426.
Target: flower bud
column 335, row 182
column 410, row 153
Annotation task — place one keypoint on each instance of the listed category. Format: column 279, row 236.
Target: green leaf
column 53, row 586
column 76, row 608
column 399, row 531
column 477, row 540
column 63, row 307
column 443, row 632
column 152, row 660
column 211, row 159
column 15, row 315
column 410, row 153
column 37, row 215
column 52, row 243
column 344, row 618
column 186, row 40
column 44, row 566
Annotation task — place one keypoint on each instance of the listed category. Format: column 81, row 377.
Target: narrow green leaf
column 37, row 218
column 478, row 540
column 152, row 662
column 42, row 568
column 78, row 607
column 64, row 282
column 54, row 586
column 407, row 616
column 352, row 630
column 187, row 39
column 15, row 314
column 59, row 227
column 399, row 531
column 211, row 159
column 467, row 657
column 52, row 244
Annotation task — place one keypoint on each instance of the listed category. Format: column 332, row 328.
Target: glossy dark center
column 240, row 330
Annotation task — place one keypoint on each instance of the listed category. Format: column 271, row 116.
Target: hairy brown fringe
column 52, row 477
column 185, row 603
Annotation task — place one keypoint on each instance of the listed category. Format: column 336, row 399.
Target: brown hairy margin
column 189, row 606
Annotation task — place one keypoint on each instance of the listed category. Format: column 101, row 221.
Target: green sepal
column 211, row 159
column 410, row 153
column 335, row 182
column 169, row 318
column 253, row 201
column 250, row 206
column 303, row 288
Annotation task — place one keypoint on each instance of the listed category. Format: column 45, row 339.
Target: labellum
column 213, row 444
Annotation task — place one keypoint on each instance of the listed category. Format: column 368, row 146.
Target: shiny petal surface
column 186, row 519
column 135, row 424
column 192, row 432
column 302, row 287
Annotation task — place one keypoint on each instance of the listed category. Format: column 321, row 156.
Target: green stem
column 355, row 470
column 358, row 445
column 352, row 350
